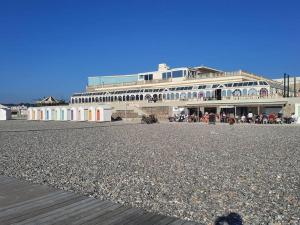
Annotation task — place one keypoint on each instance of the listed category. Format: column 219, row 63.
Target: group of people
column 262, row 118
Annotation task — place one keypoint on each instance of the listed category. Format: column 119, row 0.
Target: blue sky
column 50, row 47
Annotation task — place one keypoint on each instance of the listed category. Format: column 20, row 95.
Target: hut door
column 90, row 114
column 98, row 115
column 85, row 114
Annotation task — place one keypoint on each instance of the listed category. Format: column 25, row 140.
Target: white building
column 5, row 113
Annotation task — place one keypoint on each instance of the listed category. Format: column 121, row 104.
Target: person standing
column 250, row 117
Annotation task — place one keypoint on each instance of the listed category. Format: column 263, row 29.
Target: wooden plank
column 166, row 220
column 103, row 210
column 178, row 222
column 36, row 212
column 30, row 200
column 141, row 220
column 21, row 191
column 154, row 220
column 54, row 213
column 103, row 218
column 130, row 218
column 191, row 223
column 78, row 216
column 31, row 205
column 121, row 217
column 67, row 216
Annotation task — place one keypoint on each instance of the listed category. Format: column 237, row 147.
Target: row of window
column 174, row 74
column 170, row 96
column 146, row 77
column 214, row 86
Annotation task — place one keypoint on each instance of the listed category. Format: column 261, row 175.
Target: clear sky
column 50, row 47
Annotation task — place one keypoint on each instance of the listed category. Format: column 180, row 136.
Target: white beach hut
column 5, row 113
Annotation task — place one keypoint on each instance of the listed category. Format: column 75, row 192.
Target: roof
column 3, row 107
column 48, row 100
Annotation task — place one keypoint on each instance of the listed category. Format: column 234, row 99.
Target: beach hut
column 48, row 114
column 5, row 113
column 91, row 114
column 97, row 113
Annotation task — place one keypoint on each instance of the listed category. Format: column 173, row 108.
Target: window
column 229, row 93
column 201, row 94
column 263, row 92
column 252, row 92
column 228, row 85
column 164, row 76
column 177, row 73
column 235, row 84
column 177, row 96
column 215, row 85
column 237, row 92
column 223, row 93
column 245, row 92
column 208, row 94
column 183, row 96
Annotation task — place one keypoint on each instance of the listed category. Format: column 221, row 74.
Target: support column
column 202, row 109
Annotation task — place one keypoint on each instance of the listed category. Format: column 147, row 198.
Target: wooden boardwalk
column 25, row 203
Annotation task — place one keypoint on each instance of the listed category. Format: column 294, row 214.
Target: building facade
column 197, row 89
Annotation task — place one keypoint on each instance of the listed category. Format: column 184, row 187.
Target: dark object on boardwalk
column 212, row 118
column 118, row 118
column 149, row 119
column 231, row 219
column 231, row 121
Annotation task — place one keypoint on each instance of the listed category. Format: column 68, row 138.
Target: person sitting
column 243, row 119
column 250, row 117
column 294, row 118
column 272, row 118
column 265, row 119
